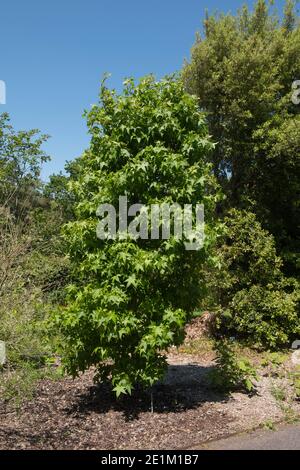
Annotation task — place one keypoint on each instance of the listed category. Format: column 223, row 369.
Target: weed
column 278, row 392
column 232, row 373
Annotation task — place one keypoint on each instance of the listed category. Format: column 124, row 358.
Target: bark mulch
column 76, row 414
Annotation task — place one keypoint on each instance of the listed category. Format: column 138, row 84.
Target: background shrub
column 256, row 300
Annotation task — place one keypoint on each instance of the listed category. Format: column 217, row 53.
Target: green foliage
column 232, row 372
column 242, row 72
column 257, row 301
column 269, row 317
column 19, row 384
column 33, row 268
column 278, row 392
column 269, row 424
column 247, row 254
column 132, row 298
column 289, row 22
column 129, row 300
column 275, row 359
column 23, row 328
column 58, row 192
column 295, row 375
column 31, row 248
column 21, row 156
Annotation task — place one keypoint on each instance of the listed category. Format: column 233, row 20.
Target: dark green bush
column 247, row 253
column 267, row 316
column 256, row 301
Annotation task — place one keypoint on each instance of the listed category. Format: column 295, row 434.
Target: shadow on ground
column 184, row 387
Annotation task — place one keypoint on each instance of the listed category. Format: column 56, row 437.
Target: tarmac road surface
column 282, row 438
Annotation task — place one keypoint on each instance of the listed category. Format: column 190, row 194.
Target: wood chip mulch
column 77, row 414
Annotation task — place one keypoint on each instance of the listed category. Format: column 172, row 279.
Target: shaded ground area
column 76, row 414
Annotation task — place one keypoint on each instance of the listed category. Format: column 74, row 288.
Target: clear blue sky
column 54, row 53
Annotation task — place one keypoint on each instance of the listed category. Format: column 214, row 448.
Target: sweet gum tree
column 133, row 297
column 242, row 70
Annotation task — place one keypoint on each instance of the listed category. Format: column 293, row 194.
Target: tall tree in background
column 21, row 158
column 31, row 251
column 242, row 71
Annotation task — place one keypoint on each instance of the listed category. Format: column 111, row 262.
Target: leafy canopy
column 132, row 298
